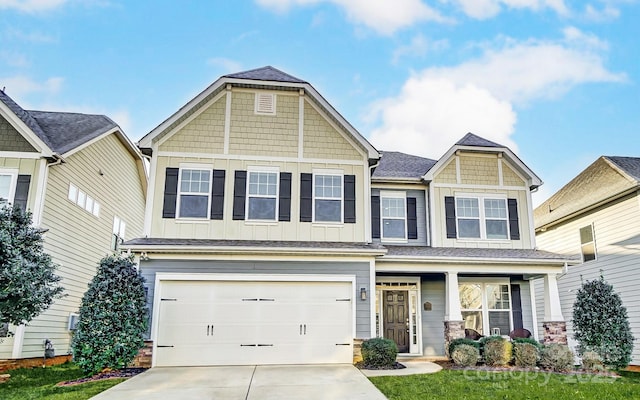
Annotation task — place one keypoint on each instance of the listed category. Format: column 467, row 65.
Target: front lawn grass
column 481, row 385
column 39, row 383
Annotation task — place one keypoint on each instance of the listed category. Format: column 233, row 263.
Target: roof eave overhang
column 191, row 249
column 477, row 260
column 395, row 180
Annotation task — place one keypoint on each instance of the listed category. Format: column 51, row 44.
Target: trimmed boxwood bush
column 525, row 354
column 379, row 352
column 556, row 357
column 531, row 341
column 465, row 355
column 592, row 362
column 497, row 351
column 457, row 342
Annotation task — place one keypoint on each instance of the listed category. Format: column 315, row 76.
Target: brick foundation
column 452, row 330
column 143, row 358
column 7, row 365
column 555, row 332
column 357, row 350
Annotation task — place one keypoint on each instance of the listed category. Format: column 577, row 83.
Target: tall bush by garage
column 113, row 317
column 601, row 324
column 379, row 352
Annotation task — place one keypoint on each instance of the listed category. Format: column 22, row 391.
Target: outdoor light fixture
column 363, row 293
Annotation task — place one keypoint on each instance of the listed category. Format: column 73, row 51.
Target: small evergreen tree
column 28, row 284
column 601, row 324
column 113, row 317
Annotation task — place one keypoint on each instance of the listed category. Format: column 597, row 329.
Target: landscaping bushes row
column 524, row 353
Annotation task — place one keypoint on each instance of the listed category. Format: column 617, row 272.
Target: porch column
column 453, row 323
column 555, row 327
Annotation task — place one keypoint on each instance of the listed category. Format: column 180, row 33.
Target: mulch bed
column 396, row 365
column 113, row 374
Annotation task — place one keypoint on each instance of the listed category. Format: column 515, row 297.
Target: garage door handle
column 305, row 329
column 209, row 330
column 266, row 299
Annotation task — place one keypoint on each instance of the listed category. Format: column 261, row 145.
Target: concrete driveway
column 309, row 382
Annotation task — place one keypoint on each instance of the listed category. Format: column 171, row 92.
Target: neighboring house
column 596, row 217
column 85, row 184
column 275, row 233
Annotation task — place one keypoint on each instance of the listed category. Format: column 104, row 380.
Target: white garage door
column 240, row 323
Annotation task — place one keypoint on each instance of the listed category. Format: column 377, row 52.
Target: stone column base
column 357, row 350
column 452, row 330
column 555, row 332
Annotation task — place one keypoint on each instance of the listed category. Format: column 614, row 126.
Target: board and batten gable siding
column 480, row 174
column 76, row 239
column 616, row 228
column 361, row 270
column 421, row 216
column 25, row 166
column 12, row 140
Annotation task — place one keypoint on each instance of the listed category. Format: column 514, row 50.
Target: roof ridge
column 266, row 73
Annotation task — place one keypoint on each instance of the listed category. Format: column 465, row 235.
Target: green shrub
column 531, row 341
column 457, row 342
column 592, row 362
column 113, row 317
column 465, row 355
column 556, row 357
column 497, row 351
column 379, row 352
column 525, row 355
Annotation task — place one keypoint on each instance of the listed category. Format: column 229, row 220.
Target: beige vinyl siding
column 510, row 177
column 76, row 239
column 203, row 134
column 448, row 173
column 244, row 230
column 617, row 238
column 266, row 135
column 433, row 291
column 11, row 139
column 25, row 166
column 323, row 141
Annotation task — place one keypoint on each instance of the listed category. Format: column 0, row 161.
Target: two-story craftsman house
column 275, row 233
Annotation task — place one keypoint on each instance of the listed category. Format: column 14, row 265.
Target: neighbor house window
column 486, row 307
column 8, row 181
column 482, row 218
column 327, row 197
column 83, row 200
column 194, row 192
column 393, row 215
column 117, row 238
column 262, row 199
column 587, row 243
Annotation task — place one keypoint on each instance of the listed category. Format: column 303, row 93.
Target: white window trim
column 327, row 172
column 481, row 215
column 13, row 173
column 593, row 236
column 403, row 283
column 199, row 167
column 483, row 282
column 271, row 170
column 393, row 195
column 257, row 109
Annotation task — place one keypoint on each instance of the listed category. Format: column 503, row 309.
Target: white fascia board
column 25, row 131
column 186, row 249
column 488, row 268
column 133, row 149
column 476, row 260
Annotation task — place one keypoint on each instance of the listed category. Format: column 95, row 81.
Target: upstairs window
column 194, row 193
column 262, row 199
column 327, row 197
column 7, row 185
column 117, row 238
column 587, row 243
column 393, row 216
column 482, row 218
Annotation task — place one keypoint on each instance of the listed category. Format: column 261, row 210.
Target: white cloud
column 228, row 65
column 383, row 16
column 21, row 86
column 607, row 13
column 438, row 105
column 483, row 9
column 13, row 59
column 31, row 6
column 418, row 47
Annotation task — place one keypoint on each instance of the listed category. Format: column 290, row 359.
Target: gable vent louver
column 265, row 103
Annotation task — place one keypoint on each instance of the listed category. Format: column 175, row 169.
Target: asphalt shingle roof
column 474, row 140
column 267, row 73
column 394, row 164
column 454, row 252
column 630, row 165
column 60, row 131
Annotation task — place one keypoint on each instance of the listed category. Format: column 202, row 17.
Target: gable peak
column 471, row 139
column 267, row 73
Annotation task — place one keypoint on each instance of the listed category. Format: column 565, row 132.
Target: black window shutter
column 170, row 192
column 514, row 224
column 516, row 307
column 375, row 217
column 217, row 194
column 22, row 192
column 239, row 192
column 306, row 199
column 349, row 199
column 412, row 218
column 450, row 215
column 284, row 209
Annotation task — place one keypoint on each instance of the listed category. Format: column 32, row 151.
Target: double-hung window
column 262, row 197
column 327, row 197
column 482, row 218
column 8, row 179
column 393, row 216
column 194, row 193
column 486, row 307
column 587, row 243
column 117, row 238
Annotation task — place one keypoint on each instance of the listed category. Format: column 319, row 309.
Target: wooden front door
column 396, row 318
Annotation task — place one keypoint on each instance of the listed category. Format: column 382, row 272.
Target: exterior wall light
column 363, row 293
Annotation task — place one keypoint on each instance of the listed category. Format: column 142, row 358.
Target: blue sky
column 556, row 80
